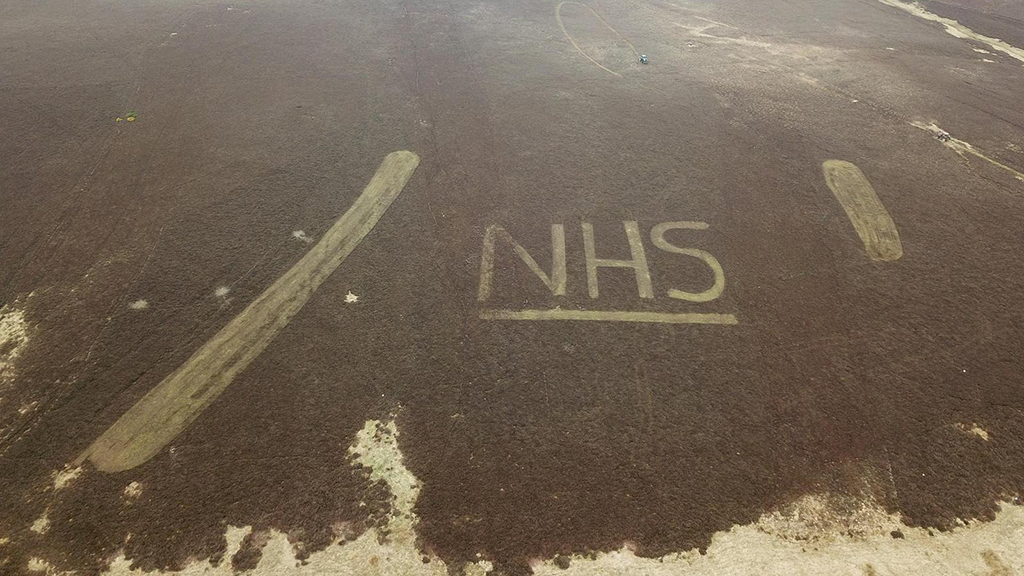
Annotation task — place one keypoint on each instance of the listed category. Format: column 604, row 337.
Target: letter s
column 658, row 238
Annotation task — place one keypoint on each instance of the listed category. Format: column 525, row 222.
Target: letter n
column 555, row 281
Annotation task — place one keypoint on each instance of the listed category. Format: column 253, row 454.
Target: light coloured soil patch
column 818, row 534
column 13, row 338
column 956, row 29
column 963, row 148
column 64, row 477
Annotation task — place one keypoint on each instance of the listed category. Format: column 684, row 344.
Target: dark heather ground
column 530, row 439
